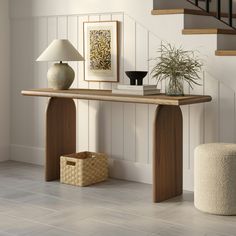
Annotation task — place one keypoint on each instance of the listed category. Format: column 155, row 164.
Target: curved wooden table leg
column 168, row 153
column 60, row 134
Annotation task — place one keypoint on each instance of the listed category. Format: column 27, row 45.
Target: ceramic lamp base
column 60, row 76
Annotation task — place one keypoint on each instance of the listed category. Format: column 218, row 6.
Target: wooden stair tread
column 209, row 31
column 225, row 52
column 178, row 11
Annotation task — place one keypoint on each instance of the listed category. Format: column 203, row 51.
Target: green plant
column 177, row 65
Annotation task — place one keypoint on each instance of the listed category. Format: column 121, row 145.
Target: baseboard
column 117, row 168
column 32, row 155
column 4, row 153
column 120, row 169
column 188, row 183
column 132, row 171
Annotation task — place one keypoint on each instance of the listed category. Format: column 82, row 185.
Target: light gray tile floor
column 30, row 206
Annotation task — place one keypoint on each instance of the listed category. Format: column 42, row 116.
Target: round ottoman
column 215, row 178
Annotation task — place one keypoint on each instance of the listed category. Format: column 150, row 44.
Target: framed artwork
column 101, row 51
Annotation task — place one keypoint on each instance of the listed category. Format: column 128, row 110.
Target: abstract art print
column 101, row 51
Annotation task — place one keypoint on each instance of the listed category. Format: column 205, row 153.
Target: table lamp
column 60, row 76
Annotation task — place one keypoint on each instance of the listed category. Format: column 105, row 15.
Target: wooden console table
column 168, row 133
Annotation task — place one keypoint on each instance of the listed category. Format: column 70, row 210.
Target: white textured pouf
column 215, row 178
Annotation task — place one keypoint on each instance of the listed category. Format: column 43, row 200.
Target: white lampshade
column 60, row 50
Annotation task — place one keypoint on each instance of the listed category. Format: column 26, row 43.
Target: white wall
column 4, row 80
column 124, row 131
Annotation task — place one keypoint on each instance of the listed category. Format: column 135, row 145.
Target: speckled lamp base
column 60, row 76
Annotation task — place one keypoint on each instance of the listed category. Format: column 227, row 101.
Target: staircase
column 207, row 17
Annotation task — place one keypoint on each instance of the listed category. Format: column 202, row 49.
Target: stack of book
column 143, row 90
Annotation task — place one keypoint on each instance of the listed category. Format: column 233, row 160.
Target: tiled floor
column 29, row 206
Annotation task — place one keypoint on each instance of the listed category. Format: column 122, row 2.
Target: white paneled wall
column 124, row 131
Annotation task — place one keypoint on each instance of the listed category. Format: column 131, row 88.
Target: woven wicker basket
column 84, row 168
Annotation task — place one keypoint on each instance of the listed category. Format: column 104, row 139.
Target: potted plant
column 176, row 66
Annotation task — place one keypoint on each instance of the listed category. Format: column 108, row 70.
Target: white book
column 136, row 87
column 136, row 92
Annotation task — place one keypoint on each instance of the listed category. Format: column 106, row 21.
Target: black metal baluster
column 207, row 5
column 218, row 12
column 231, row 12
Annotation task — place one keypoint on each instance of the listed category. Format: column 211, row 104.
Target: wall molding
column 32, row 155
column 123, row 131
column 119, row 169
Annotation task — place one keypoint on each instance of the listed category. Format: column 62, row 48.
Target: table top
column 106, row 95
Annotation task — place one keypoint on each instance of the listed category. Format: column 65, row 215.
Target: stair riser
column 171, row 4
column 199, row 21
column 226, row 42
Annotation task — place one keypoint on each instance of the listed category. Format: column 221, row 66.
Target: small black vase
column 136, row 77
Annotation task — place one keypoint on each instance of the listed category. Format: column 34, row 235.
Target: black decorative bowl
column 136, row 76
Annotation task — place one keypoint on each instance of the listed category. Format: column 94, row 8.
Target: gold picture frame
column 101, row 51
